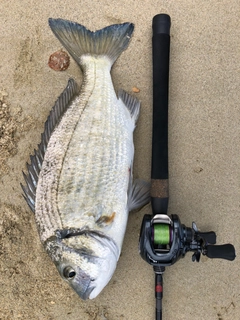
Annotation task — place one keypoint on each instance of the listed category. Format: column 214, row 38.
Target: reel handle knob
column 225, row 251
column 209, row 237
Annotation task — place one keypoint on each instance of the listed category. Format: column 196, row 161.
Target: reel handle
column 224, row 251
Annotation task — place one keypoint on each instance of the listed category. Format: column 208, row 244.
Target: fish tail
column 78, row 40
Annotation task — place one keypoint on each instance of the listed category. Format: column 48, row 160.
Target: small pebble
column 135, row 89
column 59, row 61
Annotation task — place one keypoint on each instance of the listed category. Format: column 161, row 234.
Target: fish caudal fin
column 53, row 119
column 78, row 40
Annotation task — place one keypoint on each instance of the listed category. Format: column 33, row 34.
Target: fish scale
column 46, row 193
column 79, row 181
column 98, row 162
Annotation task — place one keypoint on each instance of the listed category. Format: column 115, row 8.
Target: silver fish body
column 79, row 183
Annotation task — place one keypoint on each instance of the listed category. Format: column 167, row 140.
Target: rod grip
column 160, row 55
column 225, row 251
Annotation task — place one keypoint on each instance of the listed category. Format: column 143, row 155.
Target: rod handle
column 160, row 58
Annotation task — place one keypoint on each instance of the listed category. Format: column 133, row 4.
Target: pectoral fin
column 138, row 194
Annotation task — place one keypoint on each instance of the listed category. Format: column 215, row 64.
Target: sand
column 203, row 157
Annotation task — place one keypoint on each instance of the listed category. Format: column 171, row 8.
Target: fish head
column 86, row 261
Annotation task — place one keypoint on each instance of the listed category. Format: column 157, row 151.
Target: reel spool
column 162, row 234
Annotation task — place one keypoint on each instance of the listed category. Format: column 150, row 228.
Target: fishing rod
column 163, row 238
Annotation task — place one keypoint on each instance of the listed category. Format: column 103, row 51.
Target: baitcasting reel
column 164, row 240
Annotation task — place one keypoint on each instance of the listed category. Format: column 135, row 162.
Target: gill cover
column 86, row 259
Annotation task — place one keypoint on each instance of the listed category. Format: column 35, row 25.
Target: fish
column 79, row 183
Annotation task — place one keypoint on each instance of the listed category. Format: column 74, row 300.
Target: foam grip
column 160, row 52
column 225, row 251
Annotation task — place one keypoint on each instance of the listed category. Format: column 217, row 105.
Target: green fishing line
column 161, row 234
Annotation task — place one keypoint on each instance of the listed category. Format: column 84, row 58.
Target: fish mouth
column 85, row 295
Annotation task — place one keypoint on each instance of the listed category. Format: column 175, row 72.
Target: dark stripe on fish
column 98, row 235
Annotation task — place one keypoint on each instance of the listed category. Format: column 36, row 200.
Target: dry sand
column 204, row 155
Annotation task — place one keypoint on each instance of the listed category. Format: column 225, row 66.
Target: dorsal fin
column 36, row 160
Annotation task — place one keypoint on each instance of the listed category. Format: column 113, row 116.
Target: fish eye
column 69, row 273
